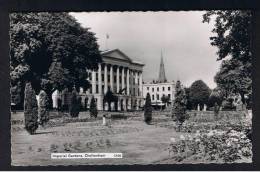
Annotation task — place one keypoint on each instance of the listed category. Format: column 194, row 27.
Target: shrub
column 225, row 146
column 148, row 109
column 30, row 109
column 43, row 108
column 74, row 104
column 93, row 108
column 179, row 105
column 228, row 104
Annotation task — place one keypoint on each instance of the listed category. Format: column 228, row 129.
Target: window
column 96, row 76
column 152, row 97
column 152, row 89
column 103, row 77
column 157, row 88
column 169, row 88
column 103, row 89
column 147, row 88
column 90, row 89
column 96, row 88
column 163, row 88
column 90, row 77
column 108, row 78
column 120, row 80
column 157, row 96
column 114, row 79
column 169, row 95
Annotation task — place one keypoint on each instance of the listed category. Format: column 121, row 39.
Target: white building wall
column 153, row 91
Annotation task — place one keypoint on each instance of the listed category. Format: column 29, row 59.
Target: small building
column 159, row 88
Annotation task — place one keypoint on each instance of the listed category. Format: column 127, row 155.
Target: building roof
column 119, row 55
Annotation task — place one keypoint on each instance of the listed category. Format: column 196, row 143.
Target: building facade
column 122, row 76
column 159, row 88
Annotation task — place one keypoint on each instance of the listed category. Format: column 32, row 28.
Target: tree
column 51, row 49
column 74, row 104
column 93, row 108
column 148, row 109
column 199, row 93
column 187, row 93
column 232, row 78
column 179, row 105
column 215, row 97
column 109, row 98
column 30, row 109
column 165, row 99
column 43, row 108
column 233, row 31
column 16, row 94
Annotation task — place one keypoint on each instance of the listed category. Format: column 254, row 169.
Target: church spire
column 162, row 77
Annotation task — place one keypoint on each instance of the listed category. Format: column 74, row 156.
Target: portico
column 124, row 78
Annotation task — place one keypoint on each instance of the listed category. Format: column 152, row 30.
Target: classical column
column 123, row 78
column 117, row 79
column 111, row 78
column 93, row 82
column 141, row 84
column 127, row 82
column 99, row 79
column 136, row 83
column 105, row 78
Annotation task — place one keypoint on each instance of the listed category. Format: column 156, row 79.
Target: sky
column 181, row 37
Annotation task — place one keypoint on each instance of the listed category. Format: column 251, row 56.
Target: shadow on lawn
column 44, row 132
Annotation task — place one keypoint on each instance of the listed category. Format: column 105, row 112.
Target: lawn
column 140, row 143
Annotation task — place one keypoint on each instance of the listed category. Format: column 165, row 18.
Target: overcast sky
column 182, row 37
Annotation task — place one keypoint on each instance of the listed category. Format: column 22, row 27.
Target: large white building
column 122, row 75
column 159, row 88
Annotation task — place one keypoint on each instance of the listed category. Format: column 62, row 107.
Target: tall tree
column 232, row 37
column 30, row 109
column 148, row 109
column 93, row 108
column 199, row 93
column 51, row 49
column 109, row 98
column 179, row 105
column 43, row 108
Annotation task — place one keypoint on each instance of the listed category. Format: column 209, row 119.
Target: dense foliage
column 179, row 105
column 43, row 108
column 233, row 31
column 51, row 50
column 148, row 109
column 109, row 98
column 65, row 99
column 30, row 109
column 93, row 108
column 214, row 146
column 165, row 99
column 74, row 104
column 199, row 93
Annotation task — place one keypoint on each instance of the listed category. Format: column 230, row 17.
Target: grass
column 140, row 143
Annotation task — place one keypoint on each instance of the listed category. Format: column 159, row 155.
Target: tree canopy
column 232, row 37
column 51, row 50
column 199, row 93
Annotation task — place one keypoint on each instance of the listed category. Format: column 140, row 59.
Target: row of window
column 158, row 89
column 158, row 96
column 120, row 78
column 133, row 93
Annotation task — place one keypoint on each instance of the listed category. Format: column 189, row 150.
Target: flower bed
column 214, row 146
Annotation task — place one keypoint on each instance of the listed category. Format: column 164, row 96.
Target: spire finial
column 162, row 77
